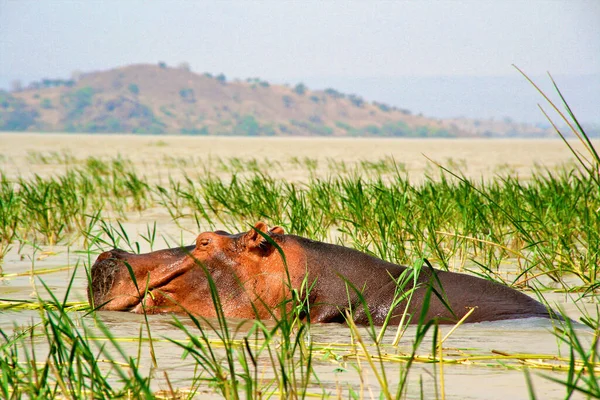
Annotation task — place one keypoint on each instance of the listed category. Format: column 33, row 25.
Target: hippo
column 253, row 280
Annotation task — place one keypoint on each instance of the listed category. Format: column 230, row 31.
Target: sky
column 310, row 41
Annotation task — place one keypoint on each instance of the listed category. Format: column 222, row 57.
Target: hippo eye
column 204, row 241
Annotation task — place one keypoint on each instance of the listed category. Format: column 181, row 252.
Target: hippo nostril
column 104, row 256
column 103, row 274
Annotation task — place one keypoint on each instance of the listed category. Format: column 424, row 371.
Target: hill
column 159, row 99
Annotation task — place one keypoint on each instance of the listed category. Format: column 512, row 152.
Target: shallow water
column 464, row 381
column 476, row 158
column 468, row 381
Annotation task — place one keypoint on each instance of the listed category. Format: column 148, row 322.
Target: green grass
column 547, row 227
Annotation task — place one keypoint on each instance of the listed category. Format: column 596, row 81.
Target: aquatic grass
column 455, row 222
column 174, row 198
column 292, row 333
column 71, row 368
column 582, row 378
column 35, row 272
column 9, row 215
column 402, row 294
column 223, row 376
column 583, row 364
column 384, row 218
column 590, row 165
column 53, row 209
column 13, row 305
column 538, row 233
column 51, row 157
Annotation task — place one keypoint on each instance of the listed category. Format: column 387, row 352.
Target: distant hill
column 477, row 97
column 159, row 99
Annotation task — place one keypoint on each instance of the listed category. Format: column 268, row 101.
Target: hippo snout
column 103, row 274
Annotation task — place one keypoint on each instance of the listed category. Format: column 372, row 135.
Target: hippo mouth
column 103, row 292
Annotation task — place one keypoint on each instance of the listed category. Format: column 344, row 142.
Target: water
column 481, row 379
column 477, row 158
column 474, row 157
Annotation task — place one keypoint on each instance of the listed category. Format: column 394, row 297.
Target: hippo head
column 167, row 280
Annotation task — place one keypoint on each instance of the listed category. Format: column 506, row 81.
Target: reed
column 583, row 378
column 545, row 227
column 70, row 366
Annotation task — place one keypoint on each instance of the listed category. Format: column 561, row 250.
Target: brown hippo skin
column 252, row 282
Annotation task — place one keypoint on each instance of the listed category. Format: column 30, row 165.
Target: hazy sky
column 290, row 41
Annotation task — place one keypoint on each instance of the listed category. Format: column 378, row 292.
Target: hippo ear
column 276, row 230
column 254, row 238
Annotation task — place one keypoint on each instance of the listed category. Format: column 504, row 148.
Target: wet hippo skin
column 252, row 282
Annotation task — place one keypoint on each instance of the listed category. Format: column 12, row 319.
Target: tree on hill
column 15, row 114
column 300, row 89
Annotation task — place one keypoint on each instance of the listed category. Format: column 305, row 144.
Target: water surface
column 479, row 159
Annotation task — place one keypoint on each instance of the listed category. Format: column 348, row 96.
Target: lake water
column 475, row 158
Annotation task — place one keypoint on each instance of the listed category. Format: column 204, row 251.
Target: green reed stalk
column 585, row 380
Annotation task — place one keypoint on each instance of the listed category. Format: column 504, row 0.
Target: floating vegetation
column 15, row 305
